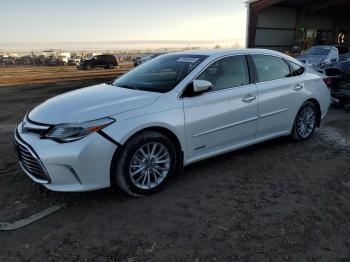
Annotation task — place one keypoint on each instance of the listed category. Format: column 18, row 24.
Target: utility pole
column 3, row 61
column 33, row 59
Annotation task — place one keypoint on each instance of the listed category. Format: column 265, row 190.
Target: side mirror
column 200, row 86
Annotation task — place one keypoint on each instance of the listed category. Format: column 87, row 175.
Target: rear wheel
column 110, row 66
column 145, row 164
column 305, row 122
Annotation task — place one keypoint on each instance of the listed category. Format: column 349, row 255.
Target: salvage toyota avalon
column 177, row 109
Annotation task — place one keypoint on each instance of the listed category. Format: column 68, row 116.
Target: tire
column 131, row 160
column 111, row 66
column 305, row 122
column 88, row 67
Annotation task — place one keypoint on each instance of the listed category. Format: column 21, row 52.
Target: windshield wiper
column 127, row 86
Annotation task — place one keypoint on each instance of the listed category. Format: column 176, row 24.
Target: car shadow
column 189, row 173
column 38, row 197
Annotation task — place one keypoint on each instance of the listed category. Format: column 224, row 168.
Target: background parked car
column 56, row 61
column 8, row 60
column 105, row 61
column 30, row 60
column 331, row 60
column 63, row 58
column 146, row 59
column 25, row 60
column 73, row 60
column 334, row 61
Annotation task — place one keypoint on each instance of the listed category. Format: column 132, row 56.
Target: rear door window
column 270, row 68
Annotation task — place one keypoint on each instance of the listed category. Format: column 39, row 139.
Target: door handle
column 248, row 99
column 298, row 87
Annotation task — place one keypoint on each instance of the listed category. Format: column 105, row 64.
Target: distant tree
column 217, row 46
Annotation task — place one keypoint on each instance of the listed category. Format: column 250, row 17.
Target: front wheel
column 145, row 164
column 305, row 122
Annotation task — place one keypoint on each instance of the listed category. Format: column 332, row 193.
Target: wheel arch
column 318, row 107
column 162, row 130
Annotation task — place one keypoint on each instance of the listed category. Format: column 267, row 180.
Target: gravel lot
column 24, row 75
column 277, row 201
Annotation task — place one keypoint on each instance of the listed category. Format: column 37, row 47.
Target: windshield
column 161, row 74
column 319, row 50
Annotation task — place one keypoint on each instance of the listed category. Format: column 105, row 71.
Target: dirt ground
column 23, row 75
column 277, row 201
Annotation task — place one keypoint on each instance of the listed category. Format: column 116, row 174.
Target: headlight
column 76, row 131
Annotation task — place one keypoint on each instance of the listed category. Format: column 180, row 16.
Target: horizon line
column 117, row 45
column 123, row 41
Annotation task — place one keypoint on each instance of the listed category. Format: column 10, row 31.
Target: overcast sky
column 43, row 21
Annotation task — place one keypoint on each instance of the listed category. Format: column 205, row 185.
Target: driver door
column 97, row 61
column 225, row 116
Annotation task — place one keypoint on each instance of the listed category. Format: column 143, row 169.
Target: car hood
column 90, row 103
column 312, row 59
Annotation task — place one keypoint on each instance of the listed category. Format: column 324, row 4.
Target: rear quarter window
column 296, row 69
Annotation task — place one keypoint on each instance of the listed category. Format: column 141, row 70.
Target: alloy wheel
column 149, row 165
column 306, row 122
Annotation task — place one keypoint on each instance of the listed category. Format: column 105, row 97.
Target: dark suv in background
column 105, row 61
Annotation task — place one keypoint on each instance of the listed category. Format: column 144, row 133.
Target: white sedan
column 175, row 110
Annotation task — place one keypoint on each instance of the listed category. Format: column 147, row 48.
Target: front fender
column 172, row 120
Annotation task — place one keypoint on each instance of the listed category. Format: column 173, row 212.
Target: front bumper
column 81, row 165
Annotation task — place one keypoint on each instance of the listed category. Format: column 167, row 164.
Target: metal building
column 297, row 24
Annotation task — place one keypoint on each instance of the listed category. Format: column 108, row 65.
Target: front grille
column 29, row 161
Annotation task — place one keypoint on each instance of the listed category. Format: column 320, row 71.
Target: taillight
column 328, row 82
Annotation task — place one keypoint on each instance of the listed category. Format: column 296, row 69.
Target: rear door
column 103, row 60
column 280, row 93
column 226, row 115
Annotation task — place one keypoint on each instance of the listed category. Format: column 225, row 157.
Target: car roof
column 330, row 46
column 215, row 53
column 223, row 52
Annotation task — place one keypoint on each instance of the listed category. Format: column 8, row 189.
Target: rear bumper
column 82, row 165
